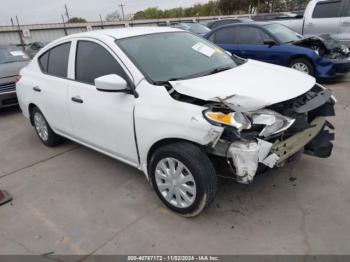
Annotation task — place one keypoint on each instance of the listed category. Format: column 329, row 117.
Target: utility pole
column 64, row 26
column 20, row 34
column 102, row 26
column 67, row 12
column 122, row 7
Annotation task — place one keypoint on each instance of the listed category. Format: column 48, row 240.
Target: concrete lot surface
column 72, row 200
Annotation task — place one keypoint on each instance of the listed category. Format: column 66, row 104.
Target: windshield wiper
column 166, row 81
column 219, row 69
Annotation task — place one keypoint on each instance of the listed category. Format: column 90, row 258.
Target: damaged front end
column 325, row 46
column 333, row 57
column 272, row 136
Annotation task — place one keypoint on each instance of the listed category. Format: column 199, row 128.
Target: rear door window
column 249, row 35
column 93, row 61
column 225, row 36
column 327, row 9
column 55, row 61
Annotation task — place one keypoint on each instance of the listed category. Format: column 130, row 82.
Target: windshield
column 168, row 56
column 10, row 54
column 199, row 29
column 283, row 33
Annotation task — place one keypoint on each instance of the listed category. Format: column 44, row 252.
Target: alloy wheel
column 41, row 126
column 301, row 67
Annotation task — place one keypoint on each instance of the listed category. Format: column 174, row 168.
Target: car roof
column 253, row 23
column 120, row 33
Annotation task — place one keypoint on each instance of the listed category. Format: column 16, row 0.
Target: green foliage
column 113, row 17
column 223, row 7
column 76, row 20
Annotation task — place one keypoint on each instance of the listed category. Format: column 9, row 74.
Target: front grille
column 8, row 87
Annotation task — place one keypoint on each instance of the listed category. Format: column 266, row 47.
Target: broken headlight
column 274, row 122
column 234, row 119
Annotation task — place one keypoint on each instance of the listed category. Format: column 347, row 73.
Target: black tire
column 201, row 169
column 303, row 61
column 52, row 139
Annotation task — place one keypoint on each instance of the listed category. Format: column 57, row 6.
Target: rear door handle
column 77, row 99
column 346, row 23
column 36, row 89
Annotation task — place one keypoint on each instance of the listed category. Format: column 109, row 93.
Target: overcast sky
column 46, row 11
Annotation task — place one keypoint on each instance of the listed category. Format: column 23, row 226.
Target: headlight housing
column 233, row 119
column 273, row 121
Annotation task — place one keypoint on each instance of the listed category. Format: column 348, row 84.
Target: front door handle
column 36, row 89
column 77, row 99
column 346, row 23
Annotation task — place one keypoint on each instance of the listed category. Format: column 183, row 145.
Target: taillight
column 18, row 77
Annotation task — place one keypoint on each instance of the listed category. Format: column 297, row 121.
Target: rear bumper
column 316, row 140
column 8, row 99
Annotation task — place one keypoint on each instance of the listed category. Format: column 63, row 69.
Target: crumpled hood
column 248, row 87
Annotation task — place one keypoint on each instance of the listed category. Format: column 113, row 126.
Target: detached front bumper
column 327, row 68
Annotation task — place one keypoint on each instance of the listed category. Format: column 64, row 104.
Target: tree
column 76, row 20
column 113, row 17
column 223, row 7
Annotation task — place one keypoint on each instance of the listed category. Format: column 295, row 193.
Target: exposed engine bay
column 271, row 136
column 325, row 46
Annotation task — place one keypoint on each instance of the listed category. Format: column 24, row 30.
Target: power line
column 122, row 7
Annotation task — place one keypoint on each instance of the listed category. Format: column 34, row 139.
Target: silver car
column 12, row 60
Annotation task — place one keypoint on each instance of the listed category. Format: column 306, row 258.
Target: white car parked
column 175, row 106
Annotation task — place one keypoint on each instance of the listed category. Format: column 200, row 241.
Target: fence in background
column 25, row 34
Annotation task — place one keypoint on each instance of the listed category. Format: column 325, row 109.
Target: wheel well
column 30, row 110
column 299, row 56
column 167, row 141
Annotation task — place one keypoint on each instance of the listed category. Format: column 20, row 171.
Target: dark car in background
column 12, row 60
column 34, row 48
column 320, row 56
column 195, row 28
column 217, row 23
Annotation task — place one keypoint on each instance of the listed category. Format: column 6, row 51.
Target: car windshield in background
column 199, row 29
column 283, row 33
column 173, row 56
column 10, row 54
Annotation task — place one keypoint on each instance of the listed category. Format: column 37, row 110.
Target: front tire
column 303, row 65
column 43, row 129
column 183, row 177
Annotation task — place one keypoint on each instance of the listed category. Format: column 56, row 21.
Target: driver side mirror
column 269, row 42
column 112, row 83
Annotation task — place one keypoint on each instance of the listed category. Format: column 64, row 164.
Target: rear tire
column 43, row 129
column 303, row 65
column 183, row 177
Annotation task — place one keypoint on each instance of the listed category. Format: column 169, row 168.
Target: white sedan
column 175, row 106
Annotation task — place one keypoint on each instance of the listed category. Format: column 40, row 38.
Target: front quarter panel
column 158, row 116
